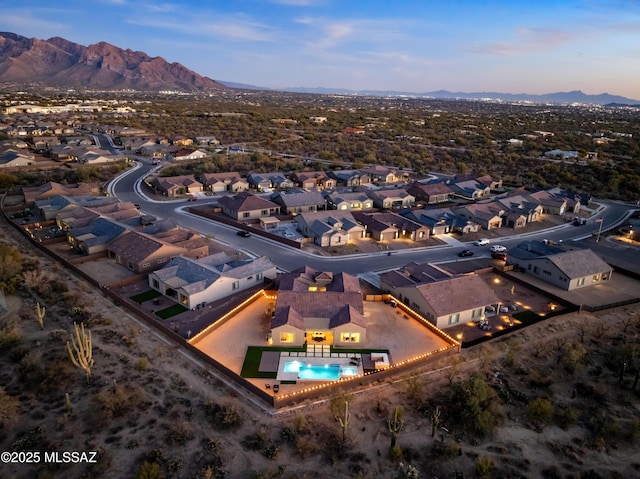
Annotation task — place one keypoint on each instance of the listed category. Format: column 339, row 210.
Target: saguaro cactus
column 395, row 424
column 40, row 312
column 345, row 421
column 81, row 350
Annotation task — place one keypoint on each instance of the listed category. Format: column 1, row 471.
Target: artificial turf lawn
column 171, row 311
column 146, row 296
column 252, row 361
column 526, row 316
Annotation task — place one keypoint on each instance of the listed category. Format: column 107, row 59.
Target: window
column 350, row 337
column 454, row 318
column 312, row 289
column 529, row 267
column 546, row 272
column 286, row 337
column 156, row 284
column 596, row 278
column 235, row 285
column 246, row 214
column 264, row 212
column 259, row 277
column 536, row 270
column 477, row 313
column 581, row 282
column 129, row 265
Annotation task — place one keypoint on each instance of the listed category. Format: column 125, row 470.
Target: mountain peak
column 61, row 63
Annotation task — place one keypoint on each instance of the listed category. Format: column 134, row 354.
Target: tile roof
column 457, row 294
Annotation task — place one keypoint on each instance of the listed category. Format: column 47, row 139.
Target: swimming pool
column 319, row 372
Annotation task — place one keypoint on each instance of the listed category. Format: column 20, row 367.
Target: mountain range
column 575, row 96
column 59, row 63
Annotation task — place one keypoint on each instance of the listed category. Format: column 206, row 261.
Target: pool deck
column 318, row 355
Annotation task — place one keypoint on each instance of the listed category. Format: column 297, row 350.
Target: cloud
column 22, row 21
column 528, row 40
column 235, row 27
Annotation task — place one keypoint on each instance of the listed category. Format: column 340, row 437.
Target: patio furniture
column 268, row 386
column 276, row 388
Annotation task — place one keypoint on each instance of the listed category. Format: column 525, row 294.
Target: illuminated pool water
column 319, row 372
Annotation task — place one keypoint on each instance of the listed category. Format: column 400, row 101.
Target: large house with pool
column 318, row 307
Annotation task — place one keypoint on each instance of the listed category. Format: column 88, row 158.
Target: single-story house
column 172, row 186
column 566, row 269
column 449, row 302
column 95, row 237
column 391, row 198
column 329, row 228
column 380, row 226
column 220, row 182
column 197, row 282
column 430, row 193
column 245, row 206
column 348, row 201
column 487, row 215
column 298, row 201
column 321, row 307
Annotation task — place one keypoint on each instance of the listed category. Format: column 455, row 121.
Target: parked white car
column 481, row 242
column 496, row 248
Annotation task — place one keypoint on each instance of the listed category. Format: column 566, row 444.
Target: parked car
column 499, row 256
column 244, row 234
column 481, row 242
column 193, row 198
column 496, row 248
column 465, row 252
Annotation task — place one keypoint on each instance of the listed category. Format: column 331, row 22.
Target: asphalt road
column 126, row 188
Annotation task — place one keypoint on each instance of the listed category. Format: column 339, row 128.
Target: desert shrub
column 114, row 404
column 474, row 405
column 31, row 367
column 573, row 356
column 223, row 416
column 142, row 364
column 179, row 434
column 149, row 470
column 287, row 435
column 395, row 453
column 10, row 337
column 305, row 446
column 483, row 465
column 271, row 452
column 603, row 426
column 566, row 416
column 257, row 440
column 540, row 411
column 9, row 407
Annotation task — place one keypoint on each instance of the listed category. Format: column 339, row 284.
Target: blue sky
column 535, row 46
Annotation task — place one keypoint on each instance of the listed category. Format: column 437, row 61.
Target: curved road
column 126, row 188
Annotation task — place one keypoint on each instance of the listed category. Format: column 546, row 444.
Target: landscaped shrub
column 566, row 416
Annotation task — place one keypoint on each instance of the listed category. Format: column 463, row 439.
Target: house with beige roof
column 329, row 228
column 487, row 215
column 430, row 193
column 245, row 206
column 448, row 302
column 391, row 198
column 319, row 307
column 195, row 283
column 565, row 269
column 172, row 186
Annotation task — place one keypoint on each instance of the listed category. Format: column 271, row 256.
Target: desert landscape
column 557, row 399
